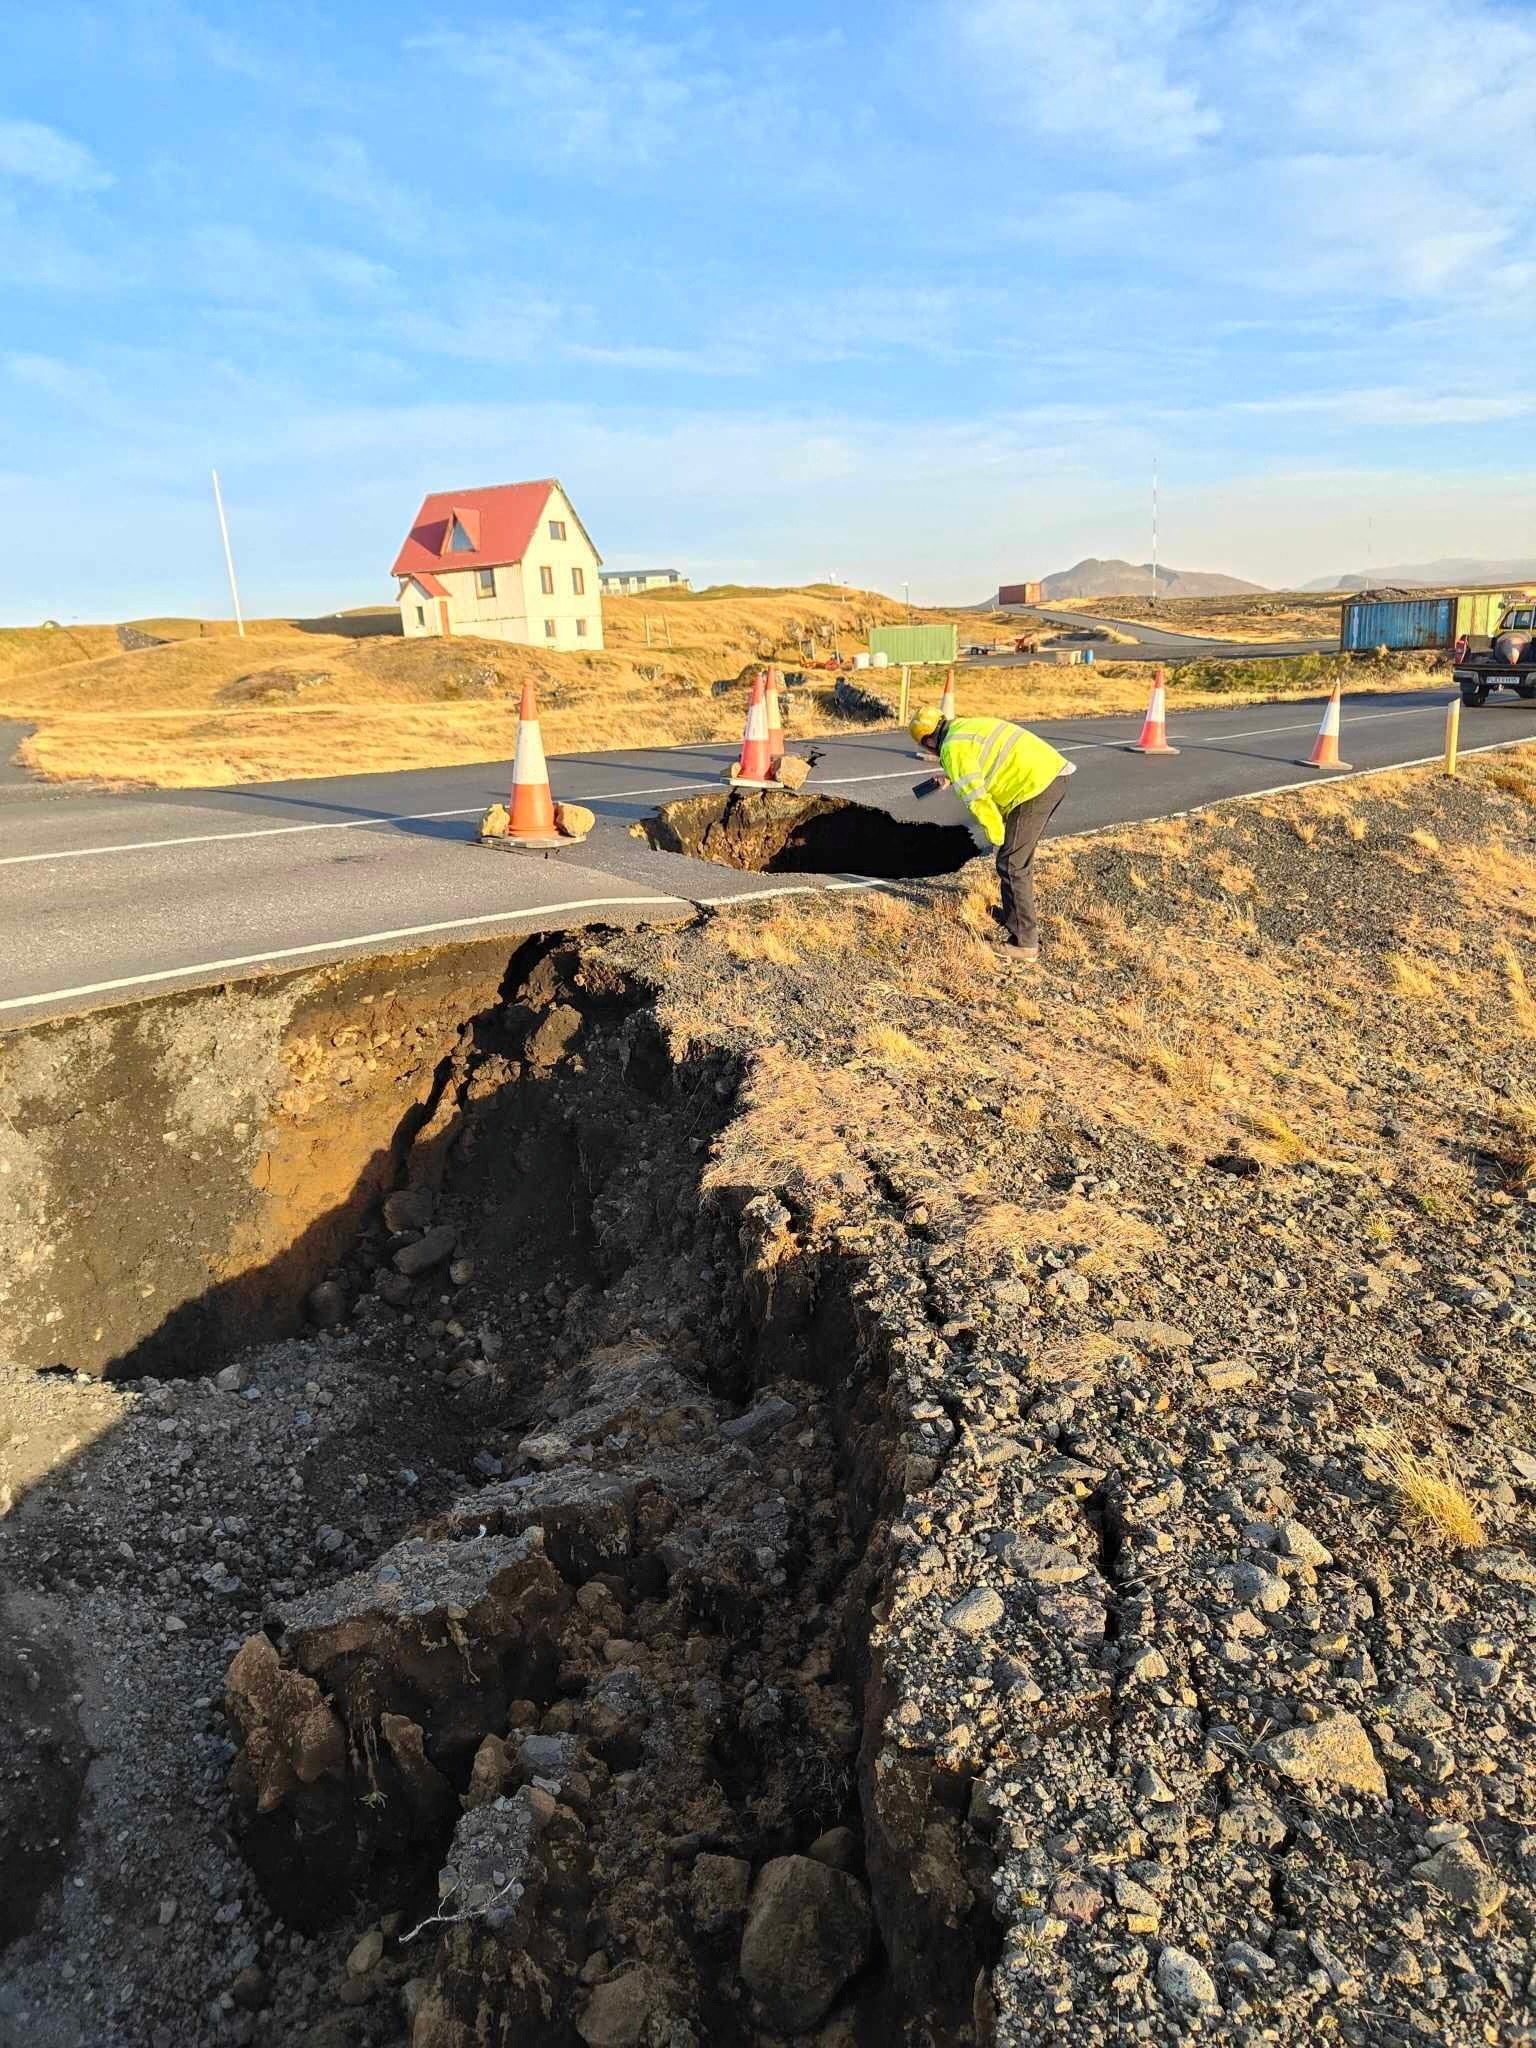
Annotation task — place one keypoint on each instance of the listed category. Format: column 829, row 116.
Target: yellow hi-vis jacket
column 994, row 766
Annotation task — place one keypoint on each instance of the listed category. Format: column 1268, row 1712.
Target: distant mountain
column 1435, row 575
column 1093, row 578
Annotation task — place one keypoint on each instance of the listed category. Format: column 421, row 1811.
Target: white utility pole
column 229, row 560
column 906, row 591
column 1154, row 529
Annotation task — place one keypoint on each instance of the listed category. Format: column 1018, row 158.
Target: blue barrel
column 1087, row 654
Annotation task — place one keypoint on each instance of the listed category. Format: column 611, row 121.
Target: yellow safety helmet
column 926, row 723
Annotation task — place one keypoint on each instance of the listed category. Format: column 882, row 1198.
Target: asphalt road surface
column 1153, row 643
column 107, row 898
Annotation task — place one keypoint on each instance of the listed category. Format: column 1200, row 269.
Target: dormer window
column 459, row 542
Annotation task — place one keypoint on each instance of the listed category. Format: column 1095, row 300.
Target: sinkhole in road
column 774, row 832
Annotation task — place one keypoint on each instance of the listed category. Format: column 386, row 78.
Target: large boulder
column 809, row 1930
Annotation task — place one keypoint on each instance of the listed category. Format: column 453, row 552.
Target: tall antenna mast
column 229, row 560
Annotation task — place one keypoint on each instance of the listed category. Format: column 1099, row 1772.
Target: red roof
column 428, row 582
column 500, row 521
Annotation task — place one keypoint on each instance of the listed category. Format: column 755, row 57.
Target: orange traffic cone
column 532, row 807
column 775, row 718
column 754, row 769
column 947, row 696
column 1154, row 730
column 1325, row 754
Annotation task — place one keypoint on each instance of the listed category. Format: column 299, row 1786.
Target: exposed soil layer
column 766, row 832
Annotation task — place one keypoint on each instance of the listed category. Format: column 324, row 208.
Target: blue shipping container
column 1398, row 622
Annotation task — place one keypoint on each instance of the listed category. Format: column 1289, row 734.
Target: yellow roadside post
column 1452, row 733
column 906, row 692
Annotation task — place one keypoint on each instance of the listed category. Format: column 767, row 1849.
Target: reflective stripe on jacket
column 994, row 766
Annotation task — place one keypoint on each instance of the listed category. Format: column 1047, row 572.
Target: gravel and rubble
column 879, row 1510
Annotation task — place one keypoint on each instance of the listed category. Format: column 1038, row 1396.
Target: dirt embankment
column 176, row 1175
column 871, row 1498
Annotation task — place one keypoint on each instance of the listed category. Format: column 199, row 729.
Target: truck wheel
column 1526, row 690
column 1474, row 695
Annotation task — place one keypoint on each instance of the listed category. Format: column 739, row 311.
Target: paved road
column 104, row 898
column 1153, row 643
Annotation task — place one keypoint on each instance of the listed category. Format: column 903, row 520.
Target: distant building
column 1017, row 593
column 512, row 562
column 630, row 582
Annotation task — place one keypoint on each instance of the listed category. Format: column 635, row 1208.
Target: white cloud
column 578, row 96
column 1103, row 72
column 30, row 150
column 233, row 264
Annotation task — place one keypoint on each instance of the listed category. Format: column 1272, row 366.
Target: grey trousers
column 1022, row 832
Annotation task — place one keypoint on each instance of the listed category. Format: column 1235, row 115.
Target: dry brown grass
column 891, row 1047
column 753, row 938
column 1109, row 1242
column 1411, row 978
column 1426, row 1490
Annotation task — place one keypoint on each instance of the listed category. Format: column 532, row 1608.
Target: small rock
column 1459, row 1873
column 1255, row 1587
column 1048, row 1564
column 1226, row 1375
column 762, row 1420
column 1335, row 1753
column 809, row 1930
column 1152, row 1336
column 409, row 1209
column 168, row 1911
column 717, row 1891
column 461, row 1272
column 616, row 2013
column 250, row 1990
column 975, row 1612
column 427, row 1251
column 366, row 1953
column 1146, row 1665
column 231, row 1379
column 838, row 1848
column 1294, row 1539
column 1185, row 1981
column 328, row 1304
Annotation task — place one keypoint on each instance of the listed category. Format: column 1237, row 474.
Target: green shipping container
column 915, row 643
column 1477, row 611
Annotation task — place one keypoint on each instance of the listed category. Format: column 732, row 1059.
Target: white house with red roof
column 512, row 562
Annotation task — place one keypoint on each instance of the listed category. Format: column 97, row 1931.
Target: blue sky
column 921, row 295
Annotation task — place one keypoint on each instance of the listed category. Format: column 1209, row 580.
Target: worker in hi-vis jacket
column 1012, row 781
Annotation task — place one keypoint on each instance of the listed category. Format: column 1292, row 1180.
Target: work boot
column 1021, row 956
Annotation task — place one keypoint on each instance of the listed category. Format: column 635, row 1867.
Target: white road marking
column 16, row 860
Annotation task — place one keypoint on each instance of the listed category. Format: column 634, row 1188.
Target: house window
column 549, row 629
column 581, row 629
column 557, row 529
column 485, row 582
column 459, row 542
column 578, row 582
column 421, row 615
column 547, row 581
